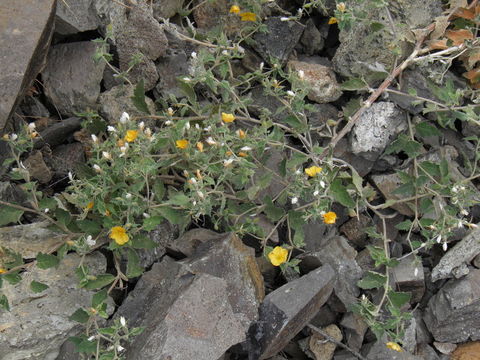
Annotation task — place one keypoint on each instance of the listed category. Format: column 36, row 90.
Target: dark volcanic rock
column 57, row 133
column 285, row 311
column 409, row 277
column 75, row 16
column 26, row 30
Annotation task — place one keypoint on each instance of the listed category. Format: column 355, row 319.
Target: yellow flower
column 332, row 20
column 242, row 154
column 120, row 143
column 131, row 135
column 313, row 170
column 278, row 255
column 89, row 205
column 329, row 218
column 228, row 118
column 2, row 270
column 200, row 146
column 229, row 153
column 119, row 234
column 394, row 346
column 70, row 242
column 241, row 134
column 235, row 9
column 248, row 16
column 107, row 213
column 341, row 7
column 182, row 144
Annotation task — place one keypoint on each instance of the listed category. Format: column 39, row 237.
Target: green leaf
column 63, row 216
column 159, row 190
column 80, row 316
column 404, row 225
column 4, row 303
column 295, row 123
column 398, row 299
column 99, row 297
column 9, row 215
column 138, row 98
column 152, row 222
column 136, row 331
column 89, row 226
column 424, row 129
column 46, row 261
column 376, row 26
column 404, row 144
column 354, row 84
column 372, row 280
column 38, row 287
column 188, row 90
column 295, row 219
column 47, row 203
column 272, row 212
column 134, row 269
column 173, row 216
column 143, row 242
column 99, row 282
column 340, row 194
column 13, row 278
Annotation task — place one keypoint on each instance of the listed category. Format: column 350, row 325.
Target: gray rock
column 182, row 318
column 188, row 242
column 12, row 193
column 312, row 40
column 30, row 239
column 427, row 352
column 32, row 107
column 141, row 34
column 354, row 230
column 37, row 168
column 406, row 280
column 211, row 14
column 165, row 9
column 279, row 41
column 169, row 68
column 285, row 311
column 321, row 81
column 75, row 16
column 461, row 254
column 272, row 160
column 111, row 13
column 44, row 317
column 376, row 128
column 58, row 133
column 72, row 78
column 163, row 235
column 117, row 100
column 387, row 184
column 354, row 328
column 27, row 28
column 317, row 347
column 362, row 165
column 66, row 158
column 265, row 105
column 445, row 347
column 452, row 314
column 380, row 352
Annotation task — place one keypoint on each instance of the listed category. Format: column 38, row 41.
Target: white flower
column 227, row 162
column 193, row 180
column 300, row 11
column 168, row 122
column 294, row 200
column 31, row 126
column 148, row 132
column 210, row 141
column 261, row 66
column 145, row 215
column 316, row 192
column 415, row 273
column 94, row 138
column 298, row 172
column 322, row 184
column 225, row 52
column 123, row 149
column 124, row 118
column 141, row 125
column 106, row 155
column 246, row 148
column 283, row 18
column 200, row 195
column 14, row 137
column 70, row 176
column 208, row 128
column 194, row 202
column 439, row 238
column 464, row 212
column 46, row 210
column 197, row 126
column 170, row 111
column 110, row 128
column 123, row 322
column 460, row 225
column 91, row 338
column 90, row 241
column 120, row 348
column 97, row 168
column 128, row 196
column 187, row 126
column 186, row 79
column 454, row 189
column 301, row 74
column 290, row 93
column 444, row 246
column 194, row 55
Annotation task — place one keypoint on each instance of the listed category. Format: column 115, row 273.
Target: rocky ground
column 211, row 296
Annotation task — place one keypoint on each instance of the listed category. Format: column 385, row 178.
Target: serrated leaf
column 38, row 287
column 340, row 194
column 372, row 280
column 404, row 225
column 99, row 282
column 159, row 190
column 175, row 217
column 354, row 84
column 133, row 265
column 272, row 212
column 188, row 90
column 9, row 215
column 425, row 129
column 4, row 303
column 152, row 222
column 143, row 242
column 138, row 98
column 46, row 261
column 99, row 297
column 63, row 216
column 13, row 278
column 398, row 299
column 89, row 226
column 80, row 316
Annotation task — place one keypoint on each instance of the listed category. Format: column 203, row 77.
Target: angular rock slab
column 38, row 323
column 72, row 78
column 75, row 16
column 285, row 311
column 187, row 316
column 452, row 314
column 26, row 28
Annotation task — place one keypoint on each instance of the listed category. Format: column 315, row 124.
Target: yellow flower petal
column 332, row 20
column 89, row 205
column 131, row 135
column 329, row 218
column 235, row 9
column 248, row 16
column 200, row 146
column 394, row 346
column 278, row 256
column 313, row 170
column 119, row 234
column 2, row 270
column 242, row 154
column 182, row 144
column 227, row 118
column 241, row 134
